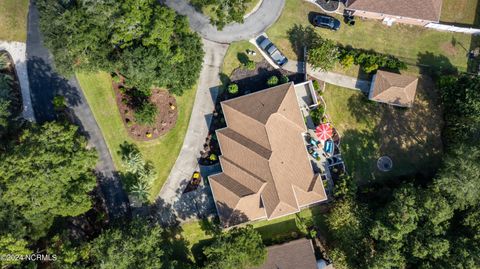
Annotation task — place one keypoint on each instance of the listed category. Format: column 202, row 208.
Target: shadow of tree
column 435, row 65
column 242, row 58
column 301, row 36
column 411, row 137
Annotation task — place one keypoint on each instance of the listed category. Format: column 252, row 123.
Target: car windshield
column 277, row 56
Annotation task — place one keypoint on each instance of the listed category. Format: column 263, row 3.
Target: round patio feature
column 328, row 5
column 384, row 164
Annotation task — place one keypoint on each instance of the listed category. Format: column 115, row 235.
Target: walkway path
column 17, row 51
column 187, row 160
column 256, row 23
column 45, row 84
column 330, row 77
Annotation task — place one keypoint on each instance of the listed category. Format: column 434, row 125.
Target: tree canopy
column 226, row 11
column 147, row 42
column 48, row 173
column 422, row 224
column 238, row 248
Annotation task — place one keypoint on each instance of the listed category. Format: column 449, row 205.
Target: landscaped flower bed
column 145, row 117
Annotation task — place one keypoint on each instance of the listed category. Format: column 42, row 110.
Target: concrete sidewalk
column 17, row 51
column 330, row 77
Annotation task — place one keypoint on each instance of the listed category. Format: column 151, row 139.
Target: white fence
column 451, row 28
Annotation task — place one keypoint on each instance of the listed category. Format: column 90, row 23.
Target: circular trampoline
column 384, row 164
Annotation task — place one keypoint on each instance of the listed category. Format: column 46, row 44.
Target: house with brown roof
column 416, row 12
column 297, row 254
column 266, row 169
column 394, row 89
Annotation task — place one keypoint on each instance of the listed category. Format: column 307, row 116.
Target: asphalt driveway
column 45, row 83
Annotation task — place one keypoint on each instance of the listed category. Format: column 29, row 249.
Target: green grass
column 460, row 11
column 410, row 43
column 162, row 151
column 368, row 130
column 235, row 52
column 273, row 232
column 208, row 10
column 13, row 20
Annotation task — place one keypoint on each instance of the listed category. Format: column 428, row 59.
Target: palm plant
column 4, row 61
column 140, row 190
column 133, row 162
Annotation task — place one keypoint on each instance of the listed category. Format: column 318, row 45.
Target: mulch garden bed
column 249, row 81
column 16, row 104
column 165, row 120
column 328, row 5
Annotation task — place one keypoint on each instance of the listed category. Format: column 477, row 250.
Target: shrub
column 370, row 67
column 116, row 79
column 59, row 102
column 272, row 81
column 233, row 89
column 347, row 61
column 284, row 79
column 316, row 115
column 146, row 114
column 250, row 65
column 316, row 85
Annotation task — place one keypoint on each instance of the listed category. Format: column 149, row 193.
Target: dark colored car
column 326, row 21
column 266, row 45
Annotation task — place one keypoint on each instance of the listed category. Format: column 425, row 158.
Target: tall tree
column 238, row 248
column 48, row 173
column 147, row 42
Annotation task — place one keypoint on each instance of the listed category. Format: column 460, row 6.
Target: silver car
column 266, row 45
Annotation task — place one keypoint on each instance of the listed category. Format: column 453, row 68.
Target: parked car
column 325, row 21
column 266, row 45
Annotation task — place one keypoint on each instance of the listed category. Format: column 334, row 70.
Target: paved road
column 17, row 51
column 256, row 23
column 187, row 160
column 45, row 83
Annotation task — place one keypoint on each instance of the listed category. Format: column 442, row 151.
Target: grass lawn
column 163, row 151
column 369, row 130
column 209, row 12
column 236, row 53
column 274, row 231
column 460, row 11
column 13, row 20
column 410, row 43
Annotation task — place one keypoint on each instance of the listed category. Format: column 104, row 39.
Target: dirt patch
column 412, row 137
column 449, row 49
column 165, row 120
column 16, row 104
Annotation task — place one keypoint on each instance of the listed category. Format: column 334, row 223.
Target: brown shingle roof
column 264, row 158
column 395, row 89
column 417, row 9
column 297, row 254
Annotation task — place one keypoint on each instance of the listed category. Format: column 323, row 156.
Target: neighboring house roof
column 417, row 9
column 294, row 254
column 392, row 88
column 266, row 169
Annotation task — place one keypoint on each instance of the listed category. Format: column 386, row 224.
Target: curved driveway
column 45, row 83
column 256, row 23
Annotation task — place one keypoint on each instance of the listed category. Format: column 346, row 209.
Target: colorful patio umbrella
column 324, row 131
